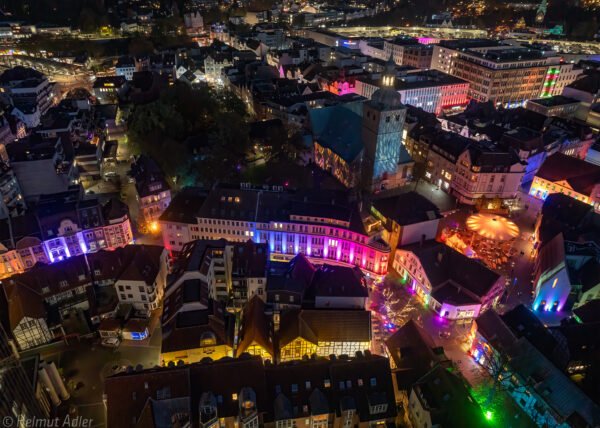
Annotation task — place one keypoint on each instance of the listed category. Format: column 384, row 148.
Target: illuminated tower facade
column 383, row 121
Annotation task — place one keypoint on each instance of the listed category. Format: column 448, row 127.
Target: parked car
column 111, row 342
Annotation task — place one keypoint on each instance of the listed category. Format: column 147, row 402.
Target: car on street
column 111, row 342
column 444, row 334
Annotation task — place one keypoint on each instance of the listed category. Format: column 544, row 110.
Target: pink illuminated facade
column 339, row 87
column 431, row 90
column 62, row 226
column 429, row 40
column 324, row 232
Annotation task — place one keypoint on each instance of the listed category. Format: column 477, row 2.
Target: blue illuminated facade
column 383, row 122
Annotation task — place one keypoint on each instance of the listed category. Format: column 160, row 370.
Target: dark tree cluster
column 197, row 136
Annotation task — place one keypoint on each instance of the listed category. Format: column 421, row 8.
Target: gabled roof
column 407, row 208
column 187, row 329
column 23, row 302
column 255, row 327
column 493, row 328
column 325, row 325
column 302, row 269
column 144, row 266
column 448, row 400
column 582, row 176
column 185, row 206
column 443, row 265
column 414, row 353
column 563, row 214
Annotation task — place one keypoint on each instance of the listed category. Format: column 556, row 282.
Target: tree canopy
column 195, row 134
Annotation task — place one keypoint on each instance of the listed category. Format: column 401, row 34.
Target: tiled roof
column 337, row 281
column 255, row 327
column 414, row 353
column 323, row 386
column 582, row 176
column 325, row 325
column 407, row 208
column 443, row 264
column 339, row 129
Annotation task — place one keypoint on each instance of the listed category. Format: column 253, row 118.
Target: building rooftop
column 448, row 399
column 337, row 281
column 264, row 206
column 188, row 328
column 509, row 54
column 461, row 44
column 420, row 79
column 39, row 177
column 557, row 390
column 125, row 62
column 414, row 353
column 338, row 129
column 185, row 206
column 249, row 259
column 589, row 83
column 26, row 292
column 557, row 100
column 255, row 328
column 407, row 208
column 581, row 176
column 149, row 179
column 18, row 74
column 446, row 266
column 325, row 325
column 209, row 389
column 575, row 219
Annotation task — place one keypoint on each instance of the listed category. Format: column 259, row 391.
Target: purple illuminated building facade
column 325, row 226
column 61, row 226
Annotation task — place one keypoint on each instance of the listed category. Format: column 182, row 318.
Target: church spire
column 541, row 12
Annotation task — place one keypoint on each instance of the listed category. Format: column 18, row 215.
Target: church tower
column 541, row 12
column 382, row 124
